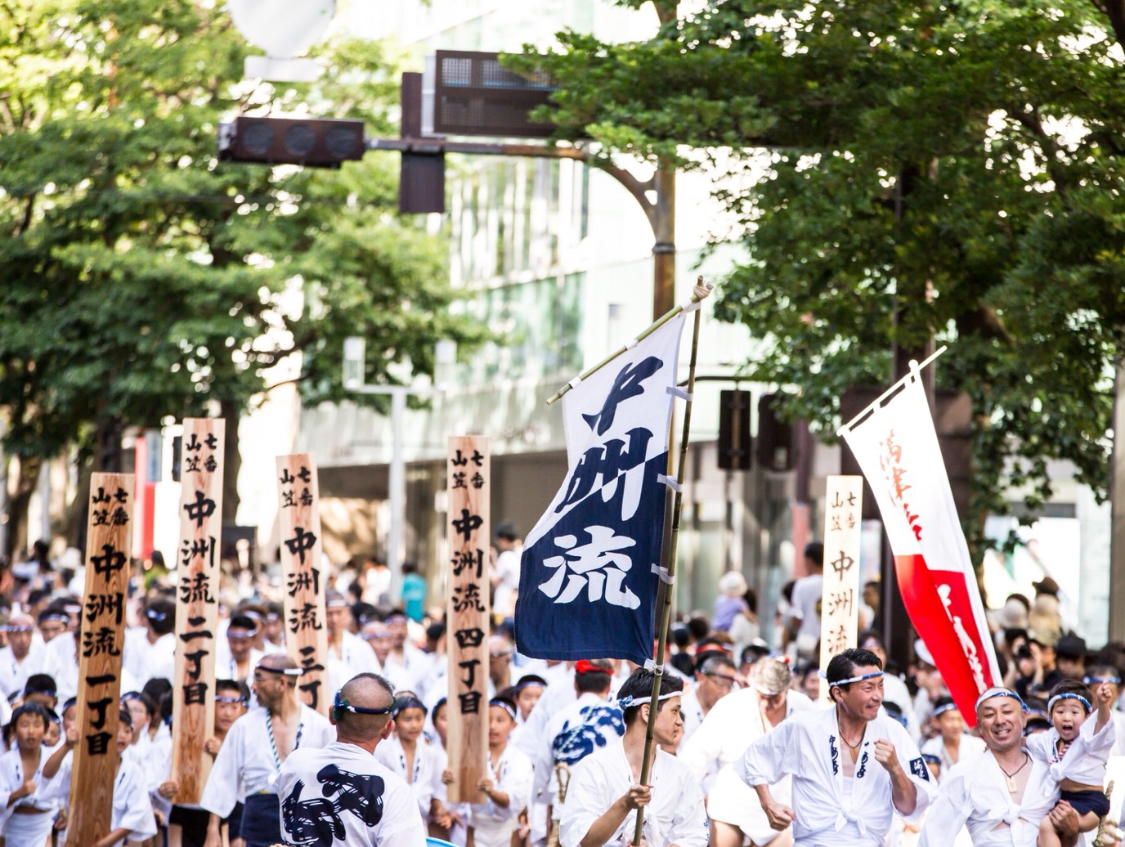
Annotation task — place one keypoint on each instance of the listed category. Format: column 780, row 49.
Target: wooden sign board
column 840, row 596
column 470, row 487
column 197, row 606
column 299, row 519
column 109, row 532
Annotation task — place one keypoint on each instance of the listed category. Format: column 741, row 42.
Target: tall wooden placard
column 840, row 597
column 299, row 520
column 470, row 487
column 109, row 532
column 197, row 607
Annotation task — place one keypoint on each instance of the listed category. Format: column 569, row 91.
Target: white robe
column 1085, row 759
column 674, row 816
column 342, row 795
column 975, row 794
column 731, row 726
column 246, row 765
column 14, row 673
column 132, row 809
column 511, row 775
column 427, row 759
column 12, row 778
column 808, row 747
column 968, row 746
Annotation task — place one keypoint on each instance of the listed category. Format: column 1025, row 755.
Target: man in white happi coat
column 24, row 654
column 605, row 787
column 716, row 678
column 1002, row 794
column 736, row 722
column 852, row 767
column 257, row 744
column 340, row 794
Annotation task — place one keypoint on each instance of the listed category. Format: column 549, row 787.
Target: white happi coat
column 732, row 725
column 1084, row 761
column 246, row 765
column 428, row 760
column 974, row 793
column 341, row 795
column 511, row 775
column 968, row 747
column 807, row 746
column 675, row 815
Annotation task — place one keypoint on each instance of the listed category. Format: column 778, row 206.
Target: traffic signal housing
column 312, row 142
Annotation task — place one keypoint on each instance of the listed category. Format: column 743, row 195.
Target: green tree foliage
column 956, row 163
column 141, row 277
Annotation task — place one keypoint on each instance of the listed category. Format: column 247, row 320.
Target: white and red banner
column 896, row 446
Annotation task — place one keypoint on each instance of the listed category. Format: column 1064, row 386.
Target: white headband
column 629, row 701
column 872, row 675
column 999, row 692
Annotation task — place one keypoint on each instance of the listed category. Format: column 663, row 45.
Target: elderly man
column 1001, row 795
column 735, row 722
column 852, row 767
column 340, row 794
column 254, row 750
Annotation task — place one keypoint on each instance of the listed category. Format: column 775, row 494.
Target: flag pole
column 700, row 291
column 668, row 555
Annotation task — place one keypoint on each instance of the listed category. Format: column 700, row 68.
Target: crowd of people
column 753, row 743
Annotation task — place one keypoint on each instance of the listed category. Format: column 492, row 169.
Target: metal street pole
column 1117, row 511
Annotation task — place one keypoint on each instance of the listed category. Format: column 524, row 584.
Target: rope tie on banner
column 574, row 383
column 629, row 345
column 663, row 573
column 676, row 391
column 651, row 665
column 670, row 481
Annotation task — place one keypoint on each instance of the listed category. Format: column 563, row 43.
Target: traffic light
column 313, row 142
column 734, row 430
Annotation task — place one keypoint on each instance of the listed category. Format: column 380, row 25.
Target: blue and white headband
column 507, row 707
column 1090, row 680
column 999, row 692
column 941, row 710
column 629, row 701
column 1069, row 696
column 873, row 675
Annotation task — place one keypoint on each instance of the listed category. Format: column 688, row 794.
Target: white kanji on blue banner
column 588, row 573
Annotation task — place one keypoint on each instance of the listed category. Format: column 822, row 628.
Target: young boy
column 25, row 802
column 508, row 784
column 409, row 755
column 1076, row 753
column 952, row 744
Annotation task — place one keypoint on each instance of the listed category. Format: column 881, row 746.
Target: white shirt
column 691, row 710
column 12, row 778
column 355, row 653
column 975, row 794
column 806, row 594
column 246, row 763
column 14, row 673
column 132, row 809
column 342, row 795
column 508, row 573
column 511, row 775
column 227, row 668
column 1085, row 759
column 427, row 760
column 674, row 816
column 732, row 725
column 968, row 747
column 807, row 746
column 160, row 662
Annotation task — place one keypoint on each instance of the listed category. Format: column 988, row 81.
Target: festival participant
column 952, row 744
column 132, row 818
column 345, row 646
column 236, row 656
column 508, row 784
column 578, row 730
column 342, row 794
column 597, row 813
column 1001, row 795
column 53, row 622
column 160, row 653
column 412, row 663
column 1076, row 753
column 852, row 766
column 187, row 823
column 409, row 756
column 804, row 617
column 27, row 806
column 378, row 636
column 23, row 655
column 257, row 744
column 500, row 671
column 715, row 678
column 732, row 725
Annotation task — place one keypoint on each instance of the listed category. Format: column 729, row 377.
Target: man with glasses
column 340, row 795
column 254, row 750
column 852, row 767
column 715, row 678
column 731, row 726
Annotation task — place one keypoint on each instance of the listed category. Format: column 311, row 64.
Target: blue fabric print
column 835, row 754
column 599, row 725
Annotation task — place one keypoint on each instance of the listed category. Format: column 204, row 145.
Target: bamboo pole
column 668, row 556
column 698, row 294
